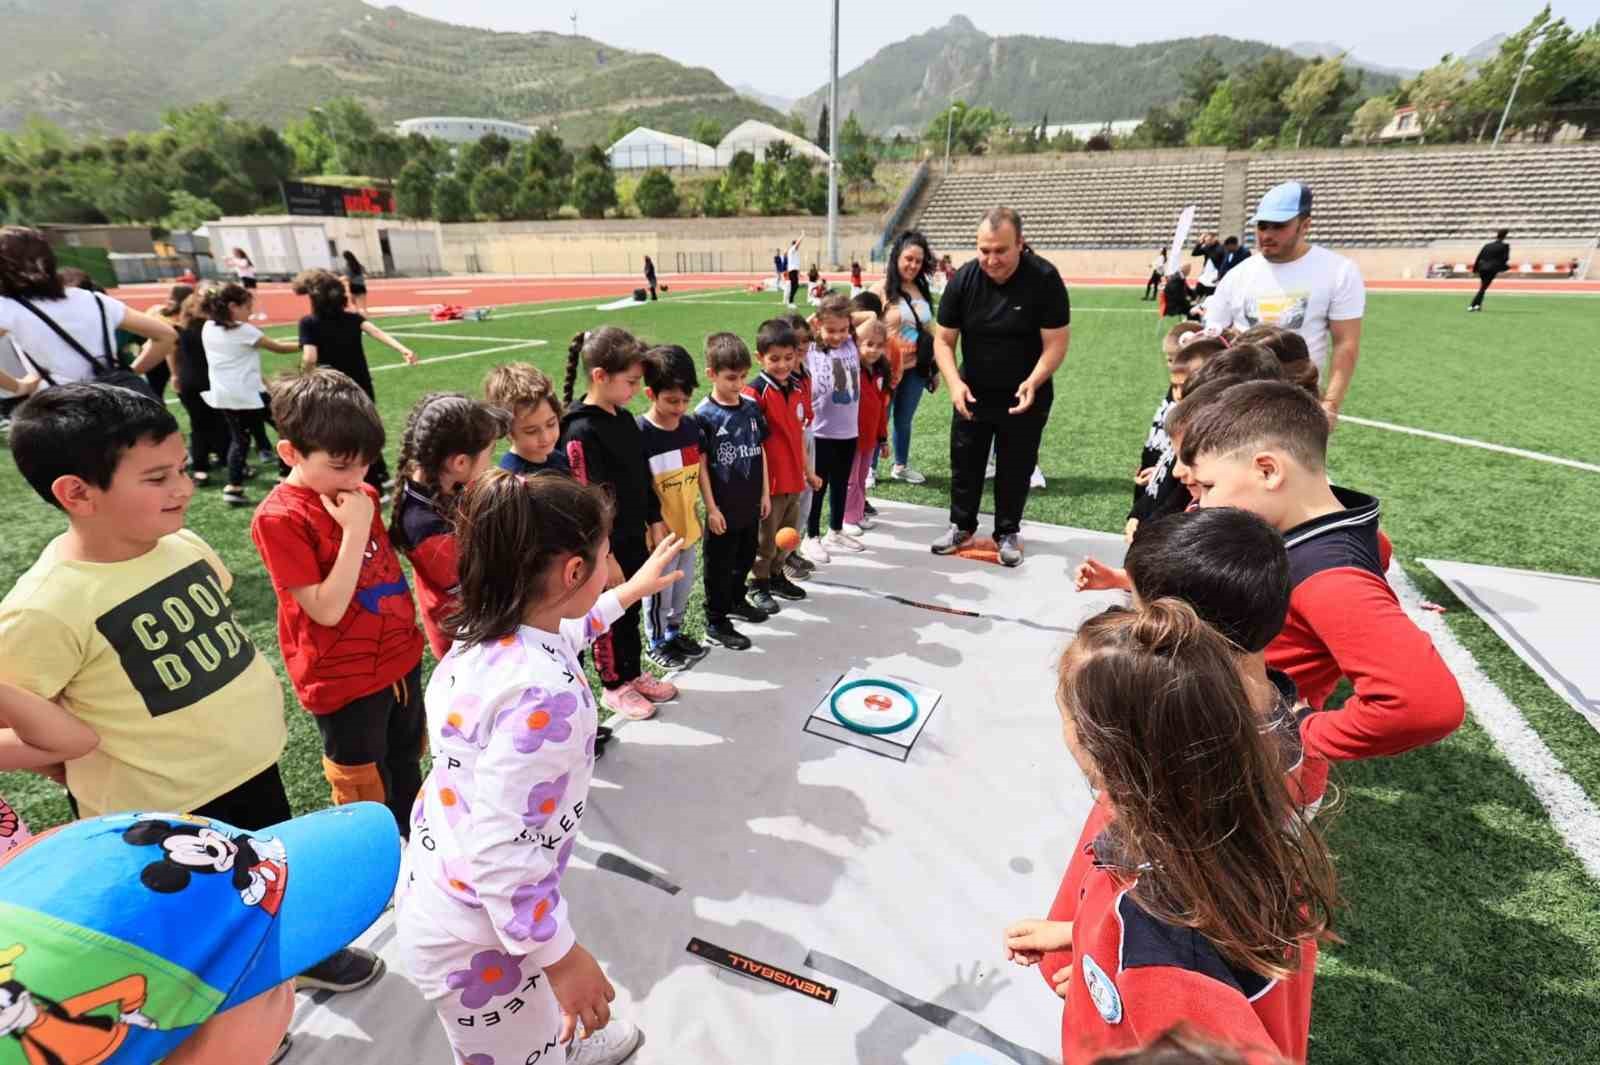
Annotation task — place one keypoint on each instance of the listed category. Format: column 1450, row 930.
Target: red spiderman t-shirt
column 376, row 642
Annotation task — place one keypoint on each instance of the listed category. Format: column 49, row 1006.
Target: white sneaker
column 872, row 477
column 1037, row 480
column 853, row 529
column 843, row 541
column 609, row 1046
column 911, row 476
column 814, row 552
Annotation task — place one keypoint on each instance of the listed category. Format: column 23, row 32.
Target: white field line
column 585, row 306
column 1571, row 812
column 1463, row 441
column 454, row 336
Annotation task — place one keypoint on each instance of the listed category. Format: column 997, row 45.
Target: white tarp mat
column 1547, row 618
column 723, row 820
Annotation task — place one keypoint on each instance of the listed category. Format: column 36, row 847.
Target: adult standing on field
column 1009, row 310
column 1299, row 286
column 1494, row 259
column 791, row 265
column 908, row 312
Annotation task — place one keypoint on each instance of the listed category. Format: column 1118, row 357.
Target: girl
column 1198, row 890
column 358, row 281
column 834, row 366
column 908, row 312
column 35, row 734
column 603, row 446
column 331, row 336
column 170, row 312
column 240, row 264
column 191, row 378
column 872, row 337
column 233, row 360
column 650, row 276
column 480, row 913
column 448, row 442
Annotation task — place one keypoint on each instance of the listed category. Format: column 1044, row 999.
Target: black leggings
column 1152, row 285
column 835, row 458
column 794, row 284
column 242, row 424
column 208, row 434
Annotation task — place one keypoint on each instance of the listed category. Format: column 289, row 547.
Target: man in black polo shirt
column 1009, row 309
column 1494, row 259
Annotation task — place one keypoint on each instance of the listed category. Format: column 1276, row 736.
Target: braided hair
column 608, row 348
column 441, row 425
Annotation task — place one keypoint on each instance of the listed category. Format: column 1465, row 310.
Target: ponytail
column 574, row 350
column 608, row 348
column 440, row 425
column 218, row 302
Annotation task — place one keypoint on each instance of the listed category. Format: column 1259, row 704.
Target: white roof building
column 753, row 136
column 644, row 148
column 464, row 130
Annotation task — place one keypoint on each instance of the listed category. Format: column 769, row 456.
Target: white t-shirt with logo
column 1303, row 296
column 235, row 364
column 78, row 316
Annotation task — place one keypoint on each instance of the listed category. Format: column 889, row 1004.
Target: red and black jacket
column 1345, row 621
column 787, row 408
column 428, row 541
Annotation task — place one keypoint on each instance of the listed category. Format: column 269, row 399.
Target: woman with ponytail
column 1203, row 890
column 604, row 446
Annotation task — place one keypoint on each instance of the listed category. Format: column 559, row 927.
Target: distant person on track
column 1299, row 286
column 1494, row 259
column 1158, row 270
column 1232, row 255
column 780, row 266
column 791, row 267
column 650, row 276
column 1210, row 249
column 239, row 262
column 356, row 274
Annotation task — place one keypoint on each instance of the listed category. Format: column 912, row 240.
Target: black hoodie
column 606, row 448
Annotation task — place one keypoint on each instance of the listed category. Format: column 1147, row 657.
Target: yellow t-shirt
column 148, row 653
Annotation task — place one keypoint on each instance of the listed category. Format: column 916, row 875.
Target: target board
column 874, row 712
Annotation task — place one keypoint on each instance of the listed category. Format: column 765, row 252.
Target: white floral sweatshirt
column 512, row 729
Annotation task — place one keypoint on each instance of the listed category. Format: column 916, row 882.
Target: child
column 1155, row 490
column 797, row 566
column 785, row 403
column 529, row 394
column 448, row 442
column 1262, row 446
column 834, row 366
column 872, row 420
column 233, row 363
column 1292, row 352
column 191, row 379
column 672, row 450
column 512, row 725
column 1202, row 893
column 331, row 336
column 346, row 621
column 604, row 447
column 733, row 479
column 34, row 734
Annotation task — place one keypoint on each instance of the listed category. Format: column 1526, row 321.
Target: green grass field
column 1470, row 933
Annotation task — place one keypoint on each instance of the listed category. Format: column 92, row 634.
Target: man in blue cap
column 1298, row 286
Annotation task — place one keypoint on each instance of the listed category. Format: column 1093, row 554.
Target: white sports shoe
column 907, row 474
column 852, row 529
column 611, row 1045
column 872, row 477
column 814, row 552
column 843, row 541
column 1037, row 480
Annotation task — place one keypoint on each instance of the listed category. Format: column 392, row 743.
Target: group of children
column 1199, row 888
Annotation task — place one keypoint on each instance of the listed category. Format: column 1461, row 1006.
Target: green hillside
column 109, row 66
column 908, row 83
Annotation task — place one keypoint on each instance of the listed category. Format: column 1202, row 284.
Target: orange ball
column 787, row 539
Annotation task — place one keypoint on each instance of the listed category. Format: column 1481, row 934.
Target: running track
column 410, row 295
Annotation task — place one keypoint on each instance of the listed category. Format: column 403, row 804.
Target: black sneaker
column 868, row 509
column 666, row 656
column 601, row 735
column 748, row 612
column 686, row 647
column 784, row 588
column 797, row 568
column 234, row 497
column 347, row 970
column 723, row 632
column 761, row 599
column 952, row 541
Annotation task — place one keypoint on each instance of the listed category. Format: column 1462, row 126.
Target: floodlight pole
column 1527, row 58
column 833, row 142
column 949, row 128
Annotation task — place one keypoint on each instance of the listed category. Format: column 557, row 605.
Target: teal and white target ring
column 874, row 706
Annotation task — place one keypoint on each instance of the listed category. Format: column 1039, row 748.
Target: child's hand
column 814, row 481
column 652, row 577
column 582, row 991
column 766, row 507
column 1061, row 980
column 352, row 510
column 40, row 735
column 1028, row 941
column 1142, row 478
column 716, row 522
column 409, row 356
column 1095, row 576
column 1129, row 529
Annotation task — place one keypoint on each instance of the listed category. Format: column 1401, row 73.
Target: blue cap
column 126, row 932
column 1284, row 203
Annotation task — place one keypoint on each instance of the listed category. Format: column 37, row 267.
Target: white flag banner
column 1175, row 257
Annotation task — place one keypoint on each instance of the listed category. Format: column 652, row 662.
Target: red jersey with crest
column 376, row 642
column 787, row 408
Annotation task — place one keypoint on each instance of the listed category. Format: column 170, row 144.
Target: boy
column 786, row 405
column 672, row 450
column 733, row 480
column 125, row 621
column 796, row 566
column 529, row 394
column 1262, row 446
column 346, row 621
column 1155, row 490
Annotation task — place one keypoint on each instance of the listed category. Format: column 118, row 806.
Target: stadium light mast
column 1527, row 60
column 833, row 141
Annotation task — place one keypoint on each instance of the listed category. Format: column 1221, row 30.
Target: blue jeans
column 903, row 409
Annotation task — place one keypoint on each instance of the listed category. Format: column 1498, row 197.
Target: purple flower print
column 539, row 717
column 507, row 649
column 456, row 874
column 477, row 1059
column 461, row 721
column 531, row 906
column 489, row 974
column 451, row 800
column 543, row 802
column 564, row 855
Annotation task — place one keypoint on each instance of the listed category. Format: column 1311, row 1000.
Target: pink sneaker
column 627, row 702
column 654, row 689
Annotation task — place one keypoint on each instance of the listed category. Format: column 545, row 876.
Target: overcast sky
column 783, row 49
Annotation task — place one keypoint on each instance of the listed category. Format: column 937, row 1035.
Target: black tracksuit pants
column 725, row 568
column 1015, row 438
